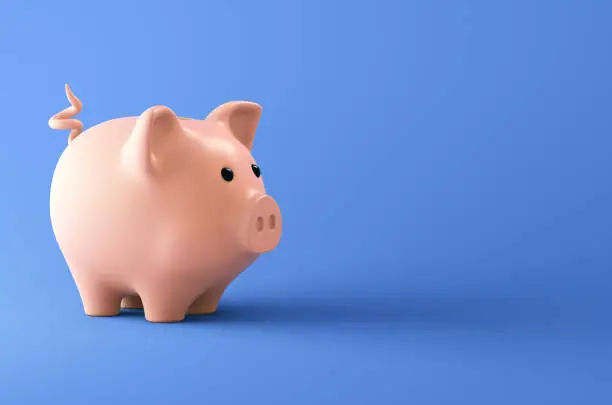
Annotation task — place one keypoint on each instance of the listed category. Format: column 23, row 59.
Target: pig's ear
column 241, row 117
column 145, row 144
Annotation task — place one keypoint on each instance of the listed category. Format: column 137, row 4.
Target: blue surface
column 444, row 172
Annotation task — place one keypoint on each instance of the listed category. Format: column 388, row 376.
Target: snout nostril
column 272, row 221
column 260, row 224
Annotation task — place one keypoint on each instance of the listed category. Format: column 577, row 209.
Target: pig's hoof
column 101, row 312
column 98, row 301
column 201, row 311
column 164, row 314
column 97, row 308
column 206, row 303
column 164, row 319
column 131, row 302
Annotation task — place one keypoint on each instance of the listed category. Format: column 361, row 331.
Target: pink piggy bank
column 160, row 212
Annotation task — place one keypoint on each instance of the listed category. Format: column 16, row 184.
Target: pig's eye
column 256, row 170
column 227, row 174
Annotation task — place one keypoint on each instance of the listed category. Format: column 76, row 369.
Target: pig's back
column 91, row 203
column 97, row 144
column 89, row 166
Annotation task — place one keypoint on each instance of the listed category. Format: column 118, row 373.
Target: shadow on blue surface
column 436, row 311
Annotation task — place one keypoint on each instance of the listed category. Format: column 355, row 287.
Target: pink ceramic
column 158, row 211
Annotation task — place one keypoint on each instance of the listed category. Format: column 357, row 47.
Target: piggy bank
column 158, row 211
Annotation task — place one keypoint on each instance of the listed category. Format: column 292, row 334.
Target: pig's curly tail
column 64, row 120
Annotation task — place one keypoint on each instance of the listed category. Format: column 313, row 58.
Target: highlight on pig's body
column 160, row 212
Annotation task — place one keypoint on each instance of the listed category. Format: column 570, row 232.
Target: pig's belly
column 92, row 211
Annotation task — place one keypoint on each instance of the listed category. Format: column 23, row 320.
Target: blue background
column 444, row 172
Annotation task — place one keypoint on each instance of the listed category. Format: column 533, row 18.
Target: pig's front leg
column 166, row 301
column 207, row 302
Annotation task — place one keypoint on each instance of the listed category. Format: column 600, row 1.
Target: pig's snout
column 265, row 225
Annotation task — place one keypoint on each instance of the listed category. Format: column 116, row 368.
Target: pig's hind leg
column 99, row 300
column 131, row 302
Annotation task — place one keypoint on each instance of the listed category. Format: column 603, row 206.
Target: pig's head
column 208, row 185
